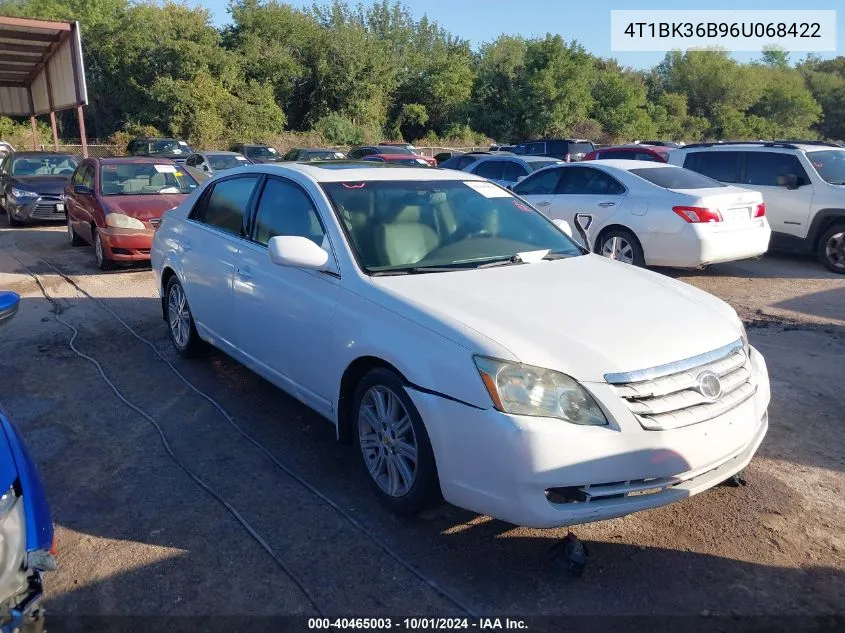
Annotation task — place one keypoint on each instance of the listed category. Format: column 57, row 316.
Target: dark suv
column 171, row 148
column 567, row 149
column 257, row 152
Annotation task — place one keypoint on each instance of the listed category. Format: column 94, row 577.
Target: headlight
column 12, row 534
column 526, row 390
column 23, row 193
column 120, row 221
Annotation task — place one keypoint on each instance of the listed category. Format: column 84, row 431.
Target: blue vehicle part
column 39, row 522
column 8, row 471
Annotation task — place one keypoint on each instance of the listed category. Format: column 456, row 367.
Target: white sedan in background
column 463, row 342
column 653, row 214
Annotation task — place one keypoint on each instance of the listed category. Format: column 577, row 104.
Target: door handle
column 543, row 204
column 607, row 204
column 244, row 273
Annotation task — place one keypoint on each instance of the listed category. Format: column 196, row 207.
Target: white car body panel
column 585, row 316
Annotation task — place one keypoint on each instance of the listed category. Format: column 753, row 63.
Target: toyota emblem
column 709, row 385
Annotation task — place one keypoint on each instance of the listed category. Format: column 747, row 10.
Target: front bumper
column 127, row 245
column 509, row 466
column 26, row 606
column 702, row 244
column 36, row 210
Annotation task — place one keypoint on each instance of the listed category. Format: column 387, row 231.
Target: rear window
column 580, row 148
column 722, row 166
column 676, row 178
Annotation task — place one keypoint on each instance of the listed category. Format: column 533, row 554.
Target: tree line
column 344, row 74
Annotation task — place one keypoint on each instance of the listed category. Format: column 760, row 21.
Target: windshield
column 396, row 149
column 676, row 178
column 169, row 147
column 265, row 153
column 830, row 164
column 325, row 155
column 534, row 165
column 141, row 179
column 397, row 226
column 225, row 161
column 44, row 166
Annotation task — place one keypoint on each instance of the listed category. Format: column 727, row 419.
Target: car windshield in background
column 141, row 179
column 830, row 164
column 43, row 166
column 419, row 226
column 325, row 155
column 169, row 148
column 396, row 149
column 263, row 153
column 225, row 161
column 539, row 164
column 676, row 178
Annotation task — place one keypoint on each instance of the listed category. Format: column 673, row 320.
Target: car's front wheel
column 180, row 321
column 393, row 444
column 623, row 246
column 832, row 248
column 103, row 262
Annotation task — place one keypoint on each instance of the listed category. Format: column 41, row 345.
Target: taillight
column 760, row 211
column 696, row 215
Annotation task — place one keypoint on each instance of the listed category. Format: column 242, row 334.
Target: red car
column 654, row 153
column 115, row 204
column 402, row 159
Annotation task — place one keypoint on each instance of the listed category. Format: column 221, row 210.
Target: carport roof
column 41, row 67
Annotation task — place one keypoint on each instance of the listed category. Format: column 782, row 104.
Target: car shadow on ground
column 775, row 265
column 827, row 304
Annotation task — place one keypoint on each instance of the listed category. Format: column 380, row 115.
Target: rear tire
column 393, row 444
column 832, row 248
column 621, row 245
column 180, row 321
column 72, row 237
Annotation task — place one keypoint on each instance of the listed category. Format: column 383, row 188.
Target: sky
column 588, row 22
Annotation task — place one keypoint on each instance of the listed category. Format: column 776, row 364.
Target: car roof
column 127, row 160
column 214, row 152
column 397, row 156
column 623, row 164
column 346, row 171
column 762, row 145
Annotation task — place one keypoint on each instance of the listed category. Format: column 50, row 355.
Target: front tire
column 180, row 321
column 623, row 246
column 103, row 262
column 832, row 248
column 12, row 221
column 393, row 444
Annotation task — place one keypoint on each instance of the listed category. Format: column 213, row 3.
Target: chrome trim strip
column 641, row 375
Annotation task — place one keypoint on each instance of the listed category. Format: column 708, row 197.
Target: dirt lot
column 138, row 537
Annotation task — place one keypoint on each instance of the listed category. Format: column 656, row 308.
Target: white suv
column 803, row 185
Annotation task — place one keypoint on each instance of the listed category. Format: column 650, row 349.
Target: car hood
column 144, row 207
column 43, row 185
column 585, row 316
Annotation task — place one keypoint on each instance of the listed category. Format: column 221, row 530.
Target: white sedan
column 653, row 214
column 465, row 344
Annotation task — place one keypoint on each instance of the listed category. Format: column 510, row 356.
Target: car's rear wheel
column 180, row 321
column 103, row 262
column 72, row 237
column 393, row 444
column 623, row 246
column 832, row 248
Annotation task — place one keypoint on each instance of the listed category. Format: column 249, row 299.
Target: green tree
column 620, row 104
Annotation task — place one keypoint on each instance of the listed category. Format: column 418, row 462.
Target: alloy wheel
column 179, row 316
column 834, row 250
column 618, row 248
column 388, row 441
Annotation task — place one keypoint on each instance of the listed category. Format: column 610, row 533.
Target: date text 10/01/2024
column 416, row 624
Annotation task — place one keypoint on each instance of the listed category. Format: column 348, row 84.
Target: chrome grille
column 668, row 397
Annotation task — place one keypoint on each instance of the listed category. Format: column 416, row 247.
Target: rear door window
column 536, row 148
column 721, row 166
column 769, row 169
column 542, row 183
column 489, row 169
column 224, row 208
column 285, row 209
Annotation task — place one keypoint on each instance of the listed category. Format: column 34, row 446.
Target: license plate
column 60, row 206
column 737, row 215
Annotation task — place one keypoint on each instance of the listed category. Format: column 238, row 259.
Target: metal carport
column 41, row 72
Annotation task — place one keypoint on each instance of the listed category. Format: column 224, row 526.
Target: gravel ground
column 138, row 537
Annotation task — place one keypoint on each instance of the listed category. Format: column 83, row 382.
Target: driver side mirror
column 9, row 303
column 563, row 225
column 790, row 181
column 295, row 251
column 82, row 189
